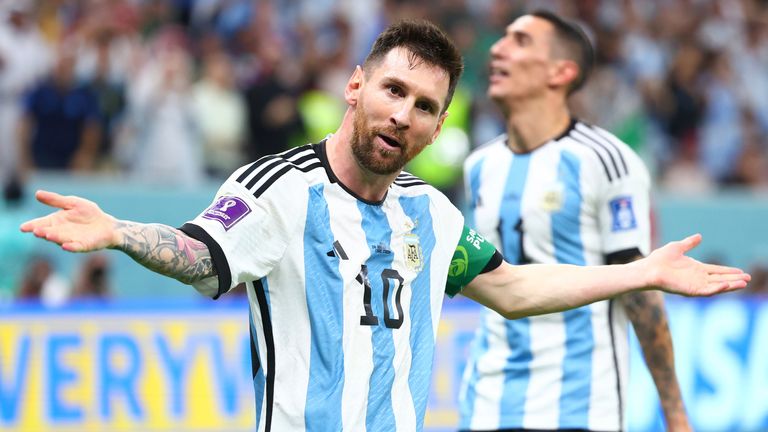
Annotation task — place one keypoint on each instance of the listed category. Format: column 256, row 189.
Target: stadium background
column 174, row 94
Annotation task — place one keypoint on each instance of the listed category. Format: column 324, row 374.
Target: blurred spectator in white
column 721, row 137
column 15, row 248
column 25, row 57
column 160, row 140
column 750, row 65
column 60, row 126
column 221, row 115
column 686, row 176
column 41, row 284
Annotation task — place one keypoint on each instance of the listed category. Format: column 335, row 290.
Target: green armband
column 472, row 255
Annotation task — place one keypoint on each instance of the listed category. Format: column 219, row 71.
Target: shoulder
column 485, row 150
column 407, row 185
column 280, row 172
column 606, row 154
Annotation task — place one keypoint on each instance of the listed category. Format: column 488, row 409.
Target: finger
column 55, row 200
column 691, row 242
column 730, row 277
column 719, row 269
column 30, row 225
column 73, row 246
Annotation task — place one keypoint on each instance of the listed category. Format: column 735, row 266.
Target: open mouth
column 497, row 72
column 390, row 141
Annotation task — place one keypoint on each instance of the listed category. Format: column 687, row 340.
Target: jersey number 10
column 387, row 275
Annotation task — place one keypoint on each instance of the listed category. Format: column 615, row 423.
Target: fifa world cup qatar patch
column 228, row 210
column 623, row 216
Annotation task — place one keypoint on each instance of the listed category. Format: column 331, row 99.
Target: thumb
column 691, row 242
column 55, row 200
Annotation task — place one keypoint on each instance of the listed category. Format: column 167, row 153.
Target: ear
column 355, row 83
column 563, row 73
column 439, row 127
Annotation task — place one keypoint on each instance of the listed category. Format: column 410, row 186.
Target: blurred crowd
column 176, row 91
column 183, row 91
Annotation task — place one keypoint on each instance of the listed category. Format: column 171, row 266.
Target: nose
column 496, row 48
column 400, row 118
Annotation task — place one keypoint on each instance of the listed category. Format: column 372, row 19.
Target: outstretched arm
column 81, row 226
column 535, row 289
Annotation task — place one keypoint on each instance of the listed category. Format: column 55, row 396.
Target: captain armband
column 473, row 256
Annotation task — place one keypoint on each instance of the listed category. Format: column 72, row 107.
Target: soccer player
column 346, row 258
column 554, row 189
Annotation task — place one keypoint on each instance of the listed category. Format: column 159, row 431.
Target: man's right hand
column 78, row 226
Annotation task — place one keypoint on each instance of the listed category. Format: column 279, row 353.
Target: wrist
column 118, row 233
column 641, row 272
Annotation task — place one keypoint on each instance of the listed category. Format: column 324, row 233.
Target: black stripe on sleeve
column 310, row 167
column 602, row 135
column 411, row 183
column 254, row 166
column 273, row 162
column 266, row 323
column 220, row 263
column 623, row 256
column 589, row 136
column 597, row 153
column 272, row 179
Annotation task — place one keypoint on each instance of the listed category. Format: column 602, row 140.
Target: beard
column 372, row 157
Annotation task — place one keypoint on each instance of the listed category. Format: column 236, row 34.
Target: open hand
column 671, row 270
column 78, row 226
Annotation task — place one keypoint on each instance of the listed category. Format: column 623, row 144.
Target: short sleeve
column 624, row 210
column 247, row 234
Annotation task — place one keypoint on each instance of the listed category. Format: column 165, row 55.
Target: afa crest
column 414, row 258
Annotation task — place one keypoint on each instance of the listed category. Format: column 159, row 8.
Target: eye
column 395, row 90
column 425, row 106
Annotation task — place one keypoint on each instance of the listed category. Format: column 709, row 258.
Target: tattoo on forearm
column 167, row 251
column 646, row 311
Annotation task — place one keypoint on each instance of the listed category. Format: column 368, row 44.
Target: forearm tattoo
column 166, row 250
column 646, row 311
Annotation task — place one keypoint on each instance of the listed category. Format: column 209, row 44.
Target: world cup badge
column 414, row 259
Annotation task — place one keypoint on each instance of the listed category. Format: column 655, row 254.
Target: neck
column 361, row 181
column 531, row 124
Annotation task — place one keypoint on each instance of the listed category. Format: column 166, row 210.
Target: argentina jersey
column 582, row 199
column 345, row 295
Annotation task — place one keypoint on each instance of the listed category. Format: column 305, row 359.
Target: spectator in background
column 92, row 281
column 160, row 142
column 220, row 113
column 25, row 57
column 41, row 284
column 274, row 121
column 60, row 126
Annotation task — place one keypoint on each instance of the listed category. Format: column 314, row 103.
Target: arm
column 535, row 289
column 81, row 226
column 646, row 311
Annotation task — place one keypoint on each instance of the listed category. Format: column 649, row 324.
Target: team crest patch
column 623, row 216
column 413, row 256
column 228, row 210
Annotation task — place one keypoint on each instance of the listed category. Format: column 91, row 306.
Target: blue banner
column 172, row 367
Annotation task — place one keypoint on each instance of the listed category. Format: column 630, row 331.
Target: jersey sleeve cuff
column 623, row 256
column 220, row 263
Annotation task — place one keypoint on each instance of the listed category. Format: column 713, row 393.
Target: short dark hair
column 576, row 43
column 425, row 41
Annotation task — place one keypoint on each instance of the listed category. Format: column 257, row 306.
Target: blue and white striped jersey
column 345, row 295
column 578, row 199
